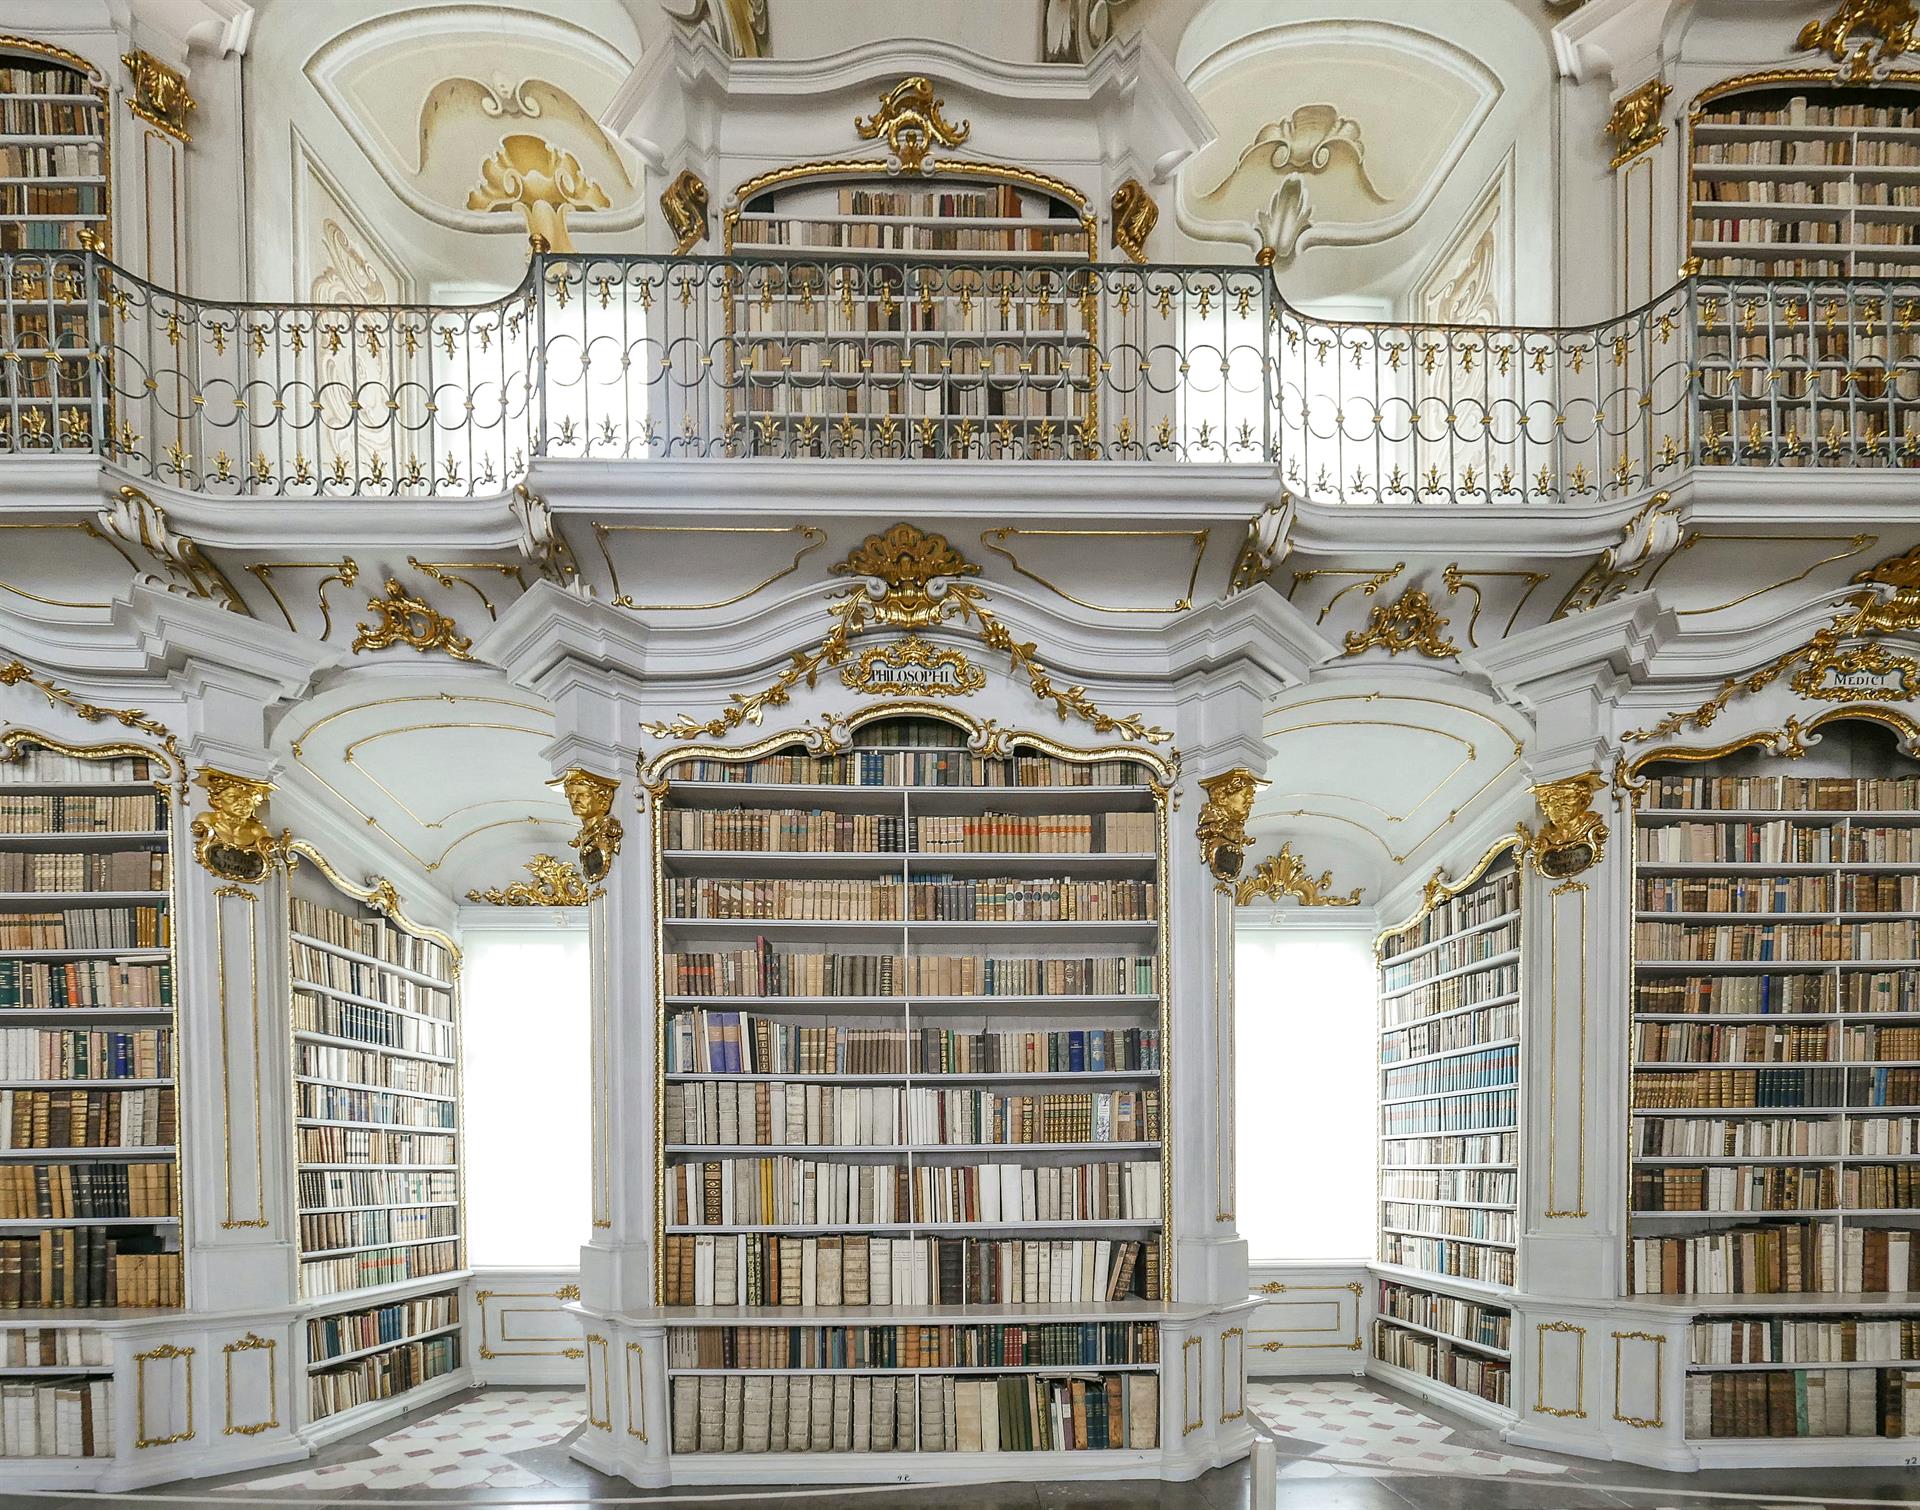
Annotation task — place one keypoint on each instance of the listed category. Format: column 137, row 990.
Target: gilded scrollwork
column 183, row 567
column 229, row 840
column 909, row 119
column 402, row 619
column 1409, row 622
column 1134, row 217
column 1574, row 837
column 1634, row 126
column 555, row 883
column 1863, row 37
column 160, row 96
column 684, row 204
column 13, row 673
column 1286, row 875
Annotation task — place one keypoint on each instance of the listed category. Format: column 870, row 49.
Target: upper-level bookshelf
column 89, row 1167
column 914, row 1012
column 53, row 152
column 822, row 336
column 1798, row 182
column 1449, row 1079
column 1776, row 1076
column 376, row 1085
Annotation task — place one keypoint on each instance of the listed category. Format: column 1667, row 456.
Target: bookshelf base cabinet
column 916, row 1406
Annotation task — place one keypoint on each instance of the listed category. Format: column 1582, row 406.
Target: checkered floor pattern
column 1355, row 1431
column 466, row 1446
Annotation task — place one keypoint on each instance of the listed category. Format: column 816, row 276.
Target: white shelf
column 378, row 1295
column 142, row 1154
column 737, row 1149
column 36, row 900
column 1478, row 1090
column 916, row 1078
column 368, row 1001
column 928, row 1228
column 313, row 1254
column 315, row 1365
column 307, row 1035
column 367, row 959
column 989, row 1005
column 1450, row 1237
column 1447, row 1337
column 1079, row 1370
column 124, row 1084
column 1388, row 961
column 1507, row 957
column 89, row 1221
column 1471, row 1048
column 414, row 1127
column 378, row 1090
column 1505, row 999
column 89, row 838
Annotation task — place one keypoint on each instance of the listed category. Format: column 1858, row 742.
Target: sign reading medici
column 912, row 665
column 1867, row 672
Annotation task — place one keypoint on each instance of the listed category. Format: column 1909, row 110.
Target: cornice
column 1618, row 640
column 192, row 641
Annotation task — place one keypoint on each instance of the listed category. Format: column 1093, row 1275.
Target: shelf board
column 367, row 959
column 80, row 1017
column 407, row 1127
column 30, row 901
column 141, row 1154
column 802, row 1149
column 309, row 1255
column 896, row 930
column 1505, row 999
column 1449, row 1237
column 1447, row 1337
column 1431, row 1200
column 927, row 1228
column 905, row 1077
column 1474, row 1289
column 1470, row 1048
column 1388, row 961
column 123, row 1084
column 368, row 1001
column 89, row 1221
column 899, row 863
column 1871, row 1304
column 1506, row 957
column 135, row 955
column 379, row 1090
column 87, row 839
column 1478, row 1090
column 315, row 1365
column 382, row 1206
column 1775, row 867
column 1077, row 1370
column 1764, row 966
column 307, row 1035
column 1132, row 1308
column 988, row 1005
column 424, row 1168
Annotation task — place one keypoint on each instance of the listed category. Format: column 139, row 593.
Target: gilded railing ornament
column 1635, row 125
column 909, row 118
column 909, row 580
column 555, row 883
column 160, row 95
column 13, row 673
column 684, row 203
column 1863, row 37
column 1831, row 669
column 406, row 620
column 1285, row 875
column 1410, row 622
column 1134, row 217
column 1574, row 837
column 229, row 839
column 598, row 841
column 1222, row 825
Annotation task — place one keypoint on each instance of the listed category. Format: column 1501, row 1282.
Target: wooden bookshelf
column 839, row 327
column 1775, row 1146
column 376, row 1131
column 1450, row 1046
column 944, row 969
column 89, row 1162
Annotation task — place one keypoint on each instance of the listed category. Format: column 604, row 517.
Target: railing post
column 536, row 350
column 1690, row 354
column 1269, row 364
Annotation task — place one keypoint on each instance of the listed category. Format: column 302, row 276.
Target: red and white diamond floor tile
column 1355, row 1430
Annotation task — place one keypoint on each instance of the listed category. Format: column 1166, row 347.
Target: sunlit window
column 1305, row 1031
column 527, row 1053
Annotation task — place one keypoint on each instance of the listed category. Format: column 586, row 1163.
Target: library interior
column 1022, row 753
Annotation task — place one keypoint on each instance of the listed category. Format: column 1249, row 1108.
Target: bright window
column 528, row 1053
column 1305, row 1005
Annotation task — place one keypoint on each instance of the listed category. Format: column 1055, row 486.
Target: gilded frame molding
column 995, row 541
column 167, row 1352
column 812, row 538
column 1658, row 1419
column 1578, row 1410
column 247, row 1344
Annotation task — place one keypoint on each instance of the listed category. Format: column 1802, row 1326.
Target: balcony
column 644, row 358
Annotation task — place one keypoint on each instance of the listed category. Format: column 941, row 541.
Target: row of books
column 1793, row 1339
column 61, row 1192
column 1450, row 1256
column 1464, row 1031
column 323, row 1231
column 750, row 1413
column 1736, row 1043
column 32, row 985
column 1472, row 1222
column 87, row 1268
column 997, row 899
column 767, row 1269
column 1494, row 897
column 48, row 159
column 23, row 78
column 56, row 1418
column 1483, row 1110
column 350, row 1331
column 53, row 1347
column 85, row 928
column 43, row 870
column 953, row 766
column 1795, row 893
column 1479, row 1070
column 314, row 966
column 888, row 237
column 715, row 1042
column 38, row 767
column 1775, row 154
column 1827, row 1402
column 361, row 1145
column 784, row 1191
column 323, row 1061
column 1779, row 841
column 1472, row 1149
column 993, row 1345
column 374, row 936
column 1499, row 1187
column 1808, row 942
column 321, row 1189
column 1466, row 1320
column 1454, row 954
column 866, row 302
column 380, row 1376
column 1778, row 1258
column 1756, row 231
column 766, row 970
column 1895, row 794
column 376, row 1266
column 1469, row 1372
column 343, row 1103
column 1803, row 267
column 53, row 198
column 83, row 1054
column 1775, row 1137
column 776, row 1113
column 1844, row 193
column 828, row 831
column 1850, row 1087
column 80, row 812
column 1799, row 112
column 1450, row 995
column 144, row 1118
column 1749, row 994
column 1744, row 1187
column 371, row 1025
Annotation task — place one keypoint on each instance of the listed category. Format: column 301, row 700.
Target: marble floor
column 1342, row 1444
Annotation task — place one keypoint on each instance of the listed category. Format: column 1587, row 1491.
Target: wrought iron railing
column 838, row 355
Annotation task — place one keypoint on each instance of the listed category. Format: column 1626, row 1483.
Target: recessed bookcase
column 837, row 325
column 913, row 1096
column 376, row 1104
column 53, row 150
column 1807, row 181
column 1775, row 1139
column 1450, row 1044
